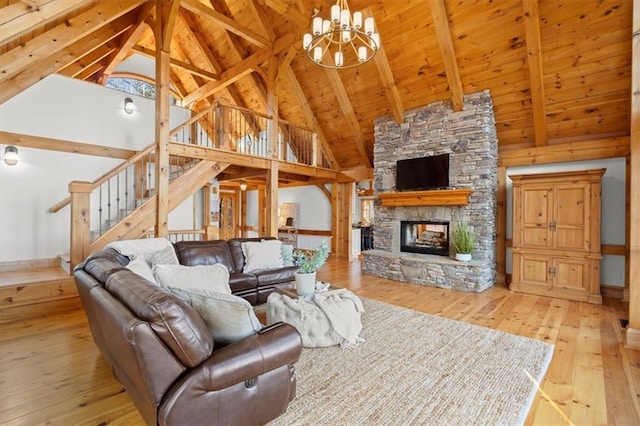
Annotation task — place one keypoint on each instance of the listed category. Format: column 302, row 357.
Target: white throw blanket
column 339, row 306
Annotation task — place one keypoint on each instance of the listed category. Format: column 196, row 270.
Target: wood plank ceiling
column 558, row 71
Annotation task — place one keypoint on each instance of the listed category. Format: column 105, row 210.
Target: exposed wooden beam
column 59, row 145
column 171, row 13
column 22, row 17
column 578, row 151
column 347, row 109
column 309, row 115
column 240, row 70
column 43, row 46
column 389, row 84
column 325, row 191
column 534, row 60
column 129, row 39
column 445, row 43
column 226, row 23
column 633, row 331
column 287, row 11
column 62, row 58
column 88, row 60
column 180, row 64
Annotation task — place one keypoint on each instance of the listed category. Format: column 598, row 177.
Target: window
column 136, row 86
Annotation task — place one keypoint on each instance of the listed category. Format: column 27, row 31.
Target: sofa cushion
column 228, row 317
column 235, row 247
column 206, row 277
column 239, row 282
column 192, row 253
column 176, row 323
column 261, row 255
column 146, row 247
column 275, row 276
column 140, row 266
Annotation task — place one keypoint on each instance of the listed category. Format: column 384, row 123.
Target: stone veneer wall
column 470, row 138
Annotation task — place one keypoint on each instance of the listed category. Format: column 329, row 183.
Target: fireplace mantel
column 437, row 197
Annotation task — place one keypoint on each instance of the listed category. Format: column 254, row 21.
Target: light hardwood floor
column 51, row 371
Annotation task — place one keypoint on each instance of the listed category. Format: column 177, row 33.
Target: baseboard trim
column 18, row 265
column 612, row 292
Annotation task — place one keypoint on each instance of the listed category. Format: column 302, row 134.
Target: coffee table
column 289, row 290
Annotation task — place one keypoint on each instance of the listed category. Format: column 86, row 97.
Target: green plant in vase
column 308, row 262
column 463, row 239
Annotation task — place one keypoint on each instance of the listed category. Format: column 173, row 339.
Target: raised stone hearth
column 470, row 138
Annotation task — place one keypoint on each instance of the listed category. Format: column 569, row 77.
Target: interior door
column 228, row 215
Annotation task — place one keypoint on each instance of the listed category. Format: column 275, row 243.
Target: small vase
column 305, row 283
column 463, row 257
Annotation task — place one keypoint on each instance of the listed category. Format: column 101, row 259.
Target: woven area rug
column 416, row 368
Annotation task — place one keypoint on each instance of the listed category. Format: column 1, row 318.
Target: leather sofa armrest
column 274, row 346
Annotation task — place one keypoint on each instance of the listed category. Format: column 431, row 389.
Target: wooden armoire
column 556, row 234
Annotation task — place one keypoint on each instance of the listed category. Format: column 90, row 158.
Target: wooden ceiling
column 558, row 71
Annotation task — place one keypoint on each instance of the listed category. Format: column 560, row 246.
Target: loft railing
column 229, row 127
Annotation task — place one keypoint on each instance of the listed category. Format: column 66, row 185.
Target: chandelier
column 342, row 41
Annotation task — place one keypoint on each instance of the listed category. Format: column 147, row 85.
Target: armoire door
column 571, row 216
column 535, row 211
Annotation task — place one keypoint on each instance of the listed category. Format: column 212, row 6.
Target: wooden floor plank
column 53, row 373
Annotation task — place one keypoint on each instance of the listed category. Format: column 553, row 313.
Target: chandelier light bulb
column 362, row 53
column 339, row 59
column 326, row 26
column 346, row 36
column 368, row 26
column 345, row 18
column 335, row 13
column 357, row 20
column 375, row 41
column 317, row 25
column 306, row 41
column 317, row 54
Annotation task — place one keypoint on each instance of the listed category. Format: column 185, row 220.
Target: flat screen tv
column 416, row 174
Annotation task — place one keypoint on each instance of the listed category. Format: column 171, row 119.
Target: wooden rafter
column 89, row 60
column 347, row 109
column 226, row 23
column 445, row 43
column 129, row 39
column 389, row 84
column 62, row 58
column 41, row 47
column 241, row 69
column 290, row 76
column 180, row 64
column 534, row 60
column 287, row 11
column 21, row 17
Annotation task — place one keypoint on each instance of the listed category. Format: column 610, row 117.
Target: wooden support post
column 341, row 220
column 501, row 226
column 272, row 108
column 262, row 211
column 633, row 331
column 80, row 222
column 272, row 201
column 315, row 146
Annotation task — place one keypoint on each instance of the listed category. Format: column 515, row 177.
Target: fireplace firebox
column 425, row 236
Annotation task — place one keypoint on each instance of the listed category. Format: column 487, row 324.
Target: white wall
column 613, row 209
column 67, row 109
column 314, row 212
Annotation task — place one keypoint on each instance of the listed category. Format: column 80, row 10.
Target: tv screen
column 417, row 174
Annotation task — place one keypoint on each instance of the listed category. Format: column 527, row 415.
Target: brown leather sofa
column 159, row 348
column 255, row 286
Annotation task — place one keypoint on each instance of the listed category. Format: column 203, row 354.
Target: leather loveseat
column 161, row 351
column 255, row 286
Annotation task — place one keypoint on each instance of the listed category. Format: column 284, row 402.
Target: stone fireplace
column 469, row 136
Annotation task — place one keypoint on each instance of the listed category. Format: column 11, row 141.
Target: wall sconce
column 129, row 106
column 11, row 155
column 243, row 186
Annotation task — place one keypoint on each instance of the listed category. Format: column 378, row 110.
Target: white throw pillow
column 205, row 277
column 144, row 246
column 140, row 266
column 228, row 317
column 166, row 256
column 262, row 255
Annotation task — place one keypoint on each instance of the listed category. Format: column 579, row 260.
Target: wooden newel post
column 80, row 222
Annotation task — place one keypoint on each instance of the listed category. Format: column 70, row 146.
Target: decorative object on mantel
column 342, row 41
column 308, row 263
column 463, row 239
column 436, row 197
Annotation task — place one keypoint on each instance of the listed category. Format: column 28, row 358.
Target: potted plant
column 308, row 263
column 463, row 239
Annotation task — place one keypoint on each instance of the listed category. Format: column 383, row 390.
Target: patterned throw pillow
column 166, row 256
